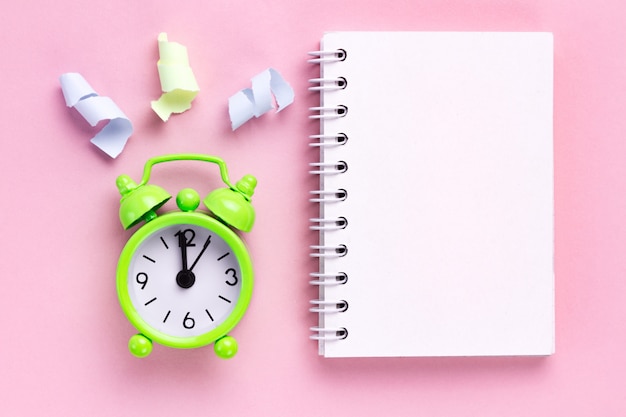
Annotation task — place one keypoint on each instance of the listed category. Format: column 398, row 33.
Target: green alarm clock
column 185, row 278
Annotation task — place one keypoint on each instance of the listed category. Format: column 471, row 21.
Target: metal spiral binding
column 320, row 57
column 323, row 251
column 328, row 112
column 323, row 141
column 322, row 279
column 328, row 168
column 328, row 84
column 326, row 306
column 328, row 224
column 325, row 196
column 321, row 333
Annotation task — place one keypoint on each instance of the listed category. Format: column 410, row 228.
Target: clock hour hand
column 206, row 244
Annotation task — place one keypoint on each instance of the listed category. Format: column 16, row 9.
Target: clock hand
column 206, row 244
column 182, row 243
column 185, row 278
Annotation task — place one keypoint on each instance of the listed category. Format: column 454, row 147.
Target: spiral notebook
column 435, row 194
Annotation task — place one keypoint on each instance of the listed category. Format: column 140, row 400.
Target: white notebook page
column 450, row 194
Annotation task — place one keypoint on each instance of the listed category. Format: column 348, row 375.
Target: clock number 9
column 142, row 279
column 188, row 322
column 233, row 275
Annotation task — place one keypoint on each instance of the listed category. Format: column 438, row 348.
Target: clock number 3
column 232, row 281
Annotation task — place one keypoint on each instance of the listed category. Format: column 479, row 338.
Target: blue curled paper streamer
column 94, row 108
column 257, row 100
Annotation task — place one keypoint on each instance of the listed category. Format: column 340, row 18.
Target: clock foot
column 140, row 346
column 226, row 347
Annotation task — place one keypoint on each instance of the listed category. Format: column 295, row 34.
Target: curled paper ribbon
column 257, row 100
column 94, row 108
column 178, row 83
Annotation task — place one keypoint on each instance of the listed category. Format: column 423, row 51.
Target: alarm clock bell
column 139, row 202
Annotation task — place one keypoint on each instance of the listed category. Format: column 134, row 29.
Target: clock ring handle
column 186, row 157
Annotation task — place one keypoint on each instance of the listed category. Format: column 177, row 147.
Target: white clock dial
column 184, row 280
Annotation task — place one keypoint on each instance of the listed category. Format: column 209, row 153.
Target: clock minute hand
column 182, row 242
column 206, row 244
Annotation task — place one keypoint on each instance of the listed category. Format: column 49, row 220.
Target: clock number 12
column 182, row 237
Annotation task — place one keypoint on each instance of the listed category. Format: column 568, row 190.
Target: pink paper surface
column 64, row 345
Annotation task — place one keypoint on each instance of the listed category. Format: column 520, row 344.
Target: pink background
column 63, row 348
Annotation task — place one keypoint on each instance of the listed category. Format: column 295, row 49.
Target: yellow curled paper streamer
column 178, row 83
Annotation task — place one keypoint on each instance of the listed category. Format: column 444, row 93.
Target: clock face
column 187, row 281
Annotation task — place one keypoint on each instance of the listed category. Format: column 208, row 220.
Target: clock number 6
column 188, row 322
column 142, row 279
column 233, row 275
